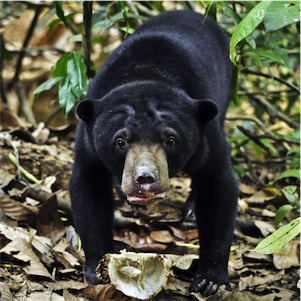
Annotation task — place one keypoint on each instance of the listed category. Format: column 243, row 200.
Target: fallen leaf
column 162, row 236
column 288, row 256
column 16, row 210
column 20, row 249
column 102, row 292
column 42, row 244
column 49, row 221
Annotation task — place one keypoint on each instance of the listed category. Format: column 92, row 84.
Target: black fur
column 172, row 73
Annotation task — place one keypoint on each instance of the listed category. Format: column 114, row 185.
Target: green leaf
column 296, row 132
column 235, row 80
column 60, row 68
column 77, row 72
column 253, row 56
column 270, row 146
column 273, row 57
column 249, row 4
column 54, row 22
column 289, row 192
column 291, row 173
column 48, row 84
column 247, row 26
column 60, row 12
column 295, row 163
column 280, row 14
column 66, row 97
column 76, row 38
column 281, row 212
column 277, row 240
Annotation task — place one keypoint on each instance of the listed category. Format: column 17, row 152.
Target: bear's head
column 145, row 132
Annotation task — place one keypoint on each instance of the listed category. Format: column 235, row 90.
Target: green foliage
column 277, row 240
column 69, row 76
column 280, row 14
column 294, row 204
column 247, row 26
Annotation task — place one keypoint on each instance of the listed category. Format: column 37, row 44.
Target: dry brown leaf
column 20, row 249
column 65, row 257
column 16, row 210
column 191, row 234
column 260, row 197
column 252, row 281
column 49, row 222
column 184, row 262
column 102, row 292
column 42, row 245
column 44, row 296
column 5, row 178
column 288, row 256
column 162, row 236
column 6, row 294
column 264, row 227
column 68, row 296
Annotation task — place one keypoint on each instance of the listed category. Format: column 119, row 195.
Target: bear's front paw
column 207, row 286
column 90, row 276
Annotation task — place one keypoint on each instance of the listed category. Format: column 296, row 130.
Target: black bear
column 156, row 107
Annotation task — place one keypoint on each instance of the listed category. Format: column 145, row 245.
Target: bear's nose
column 144, row 177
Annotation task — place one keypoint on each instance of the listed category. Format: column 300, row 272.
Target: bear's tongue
column 144, row 200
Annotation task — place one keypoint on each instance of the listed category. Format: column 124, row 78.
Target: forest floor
column 39, row 257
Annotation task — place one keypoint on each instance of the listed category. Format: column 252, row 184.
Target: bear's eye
column 170, row 140
column 120, row 142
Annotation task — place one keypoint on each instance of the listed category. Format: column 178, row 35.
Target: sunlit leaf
column 281, row 212
column 280, row 14
column 276, row 241
column 60, row 12
column 247, row 26
column 48, row 84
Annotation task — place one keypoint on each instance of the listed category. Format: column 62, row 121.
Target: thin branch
column 274, row 112
column 26, row 42
column 263, row 127
column 293, row 87
column 86, row 42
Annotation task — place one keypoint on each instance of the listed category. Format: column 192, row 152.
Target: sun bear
column 156, row 107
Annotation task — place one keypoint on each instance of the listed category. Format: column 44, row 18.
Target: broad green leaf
column 294, row 151
column 280, row 14
column 247, row 26
column 60, row 12
column 66, row 97
column 281, row 212
column 291, row 173
column 77, row 72
column 277, row 240
column 60, row 68
column 48, row 84
column 76, row 38
column 273, row 57
column 289, row 192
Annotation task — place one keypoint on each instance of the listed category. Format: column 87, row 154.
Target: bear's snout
column 145, row 175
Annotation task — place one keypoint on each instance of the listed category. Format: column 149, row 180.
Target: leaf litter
column 40, row 246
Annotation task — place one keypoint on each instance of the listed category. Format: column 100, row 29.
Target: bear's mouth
column 146, row 198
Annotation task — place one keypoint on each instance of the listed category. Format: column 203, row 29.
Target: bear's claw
column 206, row 288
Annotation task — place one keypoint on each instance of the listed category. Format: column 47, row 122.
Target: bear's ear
column 206, row 110
column 86, row 109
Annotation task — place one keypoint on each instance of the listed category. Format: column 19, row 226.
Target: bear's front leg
column 216, row 196
column 93, row 210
